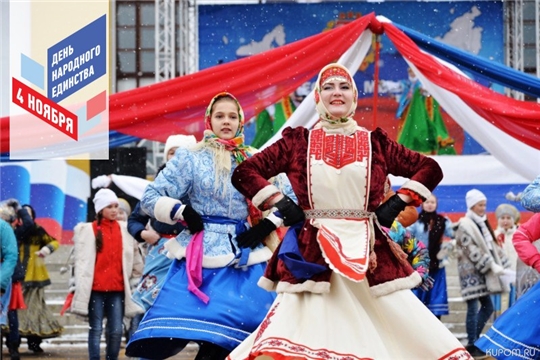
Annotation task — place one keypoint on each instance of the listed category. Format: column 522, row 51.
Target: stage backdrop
column 473, row 26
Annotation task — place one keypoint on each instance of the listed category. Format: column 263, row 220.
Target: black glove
column 291, row 212
column 254, row 236
column 389, row 210
column 193, row 220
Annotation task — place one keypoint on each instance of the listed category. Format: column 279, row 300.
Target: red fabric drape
column 177, row 106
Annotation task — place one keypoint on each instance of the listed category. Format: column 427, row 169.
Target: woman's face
column 430, row 205
column 225, row 119
column 479, row 208
column 337, row 97
column 110, row 212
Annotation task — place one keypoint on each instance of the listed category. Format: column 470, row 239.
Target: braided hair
column 99, row 233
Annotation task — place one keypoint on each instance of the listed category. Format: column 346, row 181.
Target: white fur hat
column 7, row 212
column 178, row 141
column 507, row 209
column 473, row 197
column 104, row 198
column 124, row 205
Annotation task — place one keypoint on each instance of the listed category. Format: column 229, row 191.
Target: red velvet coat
column 289, row 155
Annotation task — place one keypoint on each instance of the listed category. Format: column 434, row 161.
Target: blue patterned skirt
column 516, row 333
column 236, row 307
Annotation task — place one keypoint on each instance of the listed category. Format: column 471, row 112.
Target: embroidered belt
column 338, row 214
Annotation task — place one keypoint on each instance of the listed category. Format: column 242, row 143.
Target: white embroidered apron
column 339, row 169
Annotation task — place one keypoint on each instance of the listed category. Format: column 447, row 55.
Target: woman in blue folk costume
column 210, row 295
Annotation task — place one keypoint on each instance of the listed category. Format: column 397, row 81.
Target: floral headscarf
column 329, row 73
column 235, row 145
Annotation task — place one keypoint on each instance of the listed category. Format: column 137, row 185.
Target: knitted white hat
column 178, row 141
column 473, row 197
column 104, row 198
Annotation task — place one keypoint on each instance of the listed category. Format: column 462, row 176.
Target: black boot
column 13, row 351
column 33, row 344
column 475, row 352
column 209, row 351
column 35, row 348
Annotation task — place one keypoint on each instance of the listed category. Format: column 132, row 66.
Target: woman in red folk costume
column 342, row 282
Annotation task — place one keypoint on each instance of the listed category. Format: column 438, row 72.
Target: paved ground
column 80, row 351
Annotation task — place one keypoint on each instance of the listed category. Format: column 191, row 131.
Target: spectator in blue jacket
column 22, row 225
column 9, row 255
column 9, row 252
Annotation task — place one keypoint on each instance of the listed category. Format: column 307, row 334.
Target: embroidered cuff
column 261, row 199
column 416, row 190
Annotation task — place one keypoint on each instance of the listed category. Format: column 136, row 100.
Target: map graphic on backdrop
column 475, row 26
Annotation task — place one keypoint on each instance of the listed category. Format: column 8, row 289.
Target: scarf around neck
column 483, row 225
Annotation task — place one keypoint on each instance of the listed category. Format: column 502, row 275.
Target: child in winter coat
column 107, row 263
column 507, row 219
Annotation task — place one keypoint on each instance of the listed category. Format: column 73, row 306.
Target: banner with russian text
column 58, row 72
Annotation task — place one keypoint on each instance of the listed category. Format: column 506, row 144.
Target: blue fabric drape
column 491, row 70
